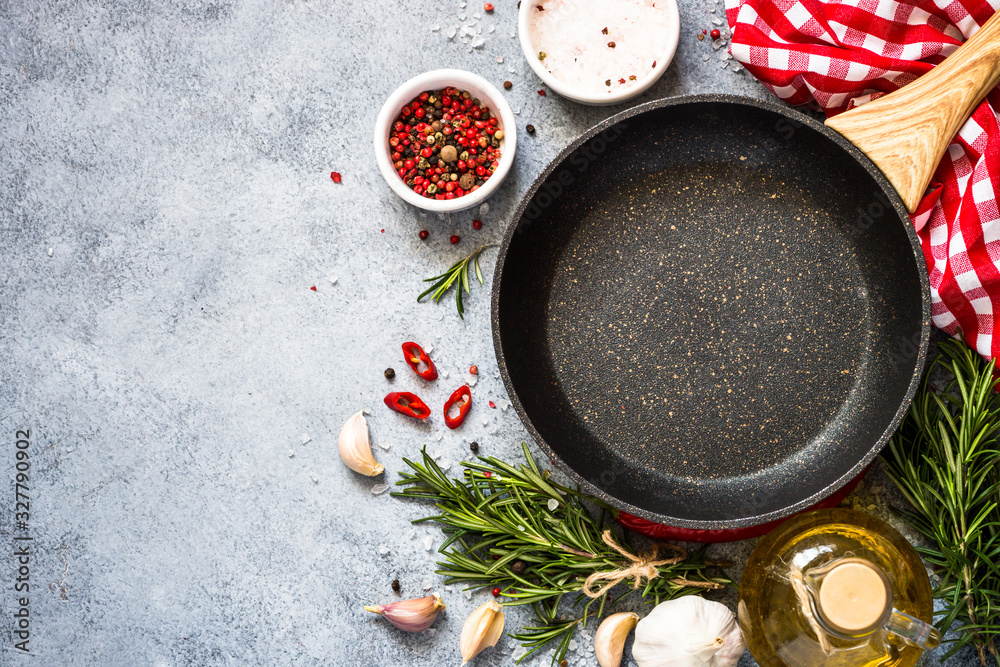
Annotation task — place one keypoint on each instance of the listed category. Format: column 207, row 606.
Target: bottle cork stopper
column 853, row 597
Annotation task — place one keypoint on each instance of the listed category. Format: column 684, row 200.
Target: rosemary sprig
column 944, row 459
column 457, row 275
column 517, row 529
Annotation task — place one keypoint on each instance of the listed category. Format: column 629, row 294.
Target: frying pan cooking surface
column 711, row 311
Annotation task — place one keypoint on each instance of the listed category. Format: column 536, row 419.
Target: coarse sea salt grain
column 571, row 34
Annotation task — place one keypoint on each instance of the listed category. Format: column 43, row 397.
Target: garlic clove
column 410, row 615
column 609, row 642
column 356, row 447
column 481, row 630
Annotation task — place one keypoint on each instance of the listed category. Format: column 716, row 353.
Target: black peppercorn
column 474, row 446
column 395, row 585
column 519, row 567
column 530, row 128
column 389, row 374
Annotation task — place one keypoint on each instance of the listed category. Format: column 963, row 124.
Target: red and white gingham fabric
column 838, row 55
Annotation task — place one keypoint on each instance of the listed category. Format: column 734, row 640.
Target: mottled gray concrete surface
column 165, row 207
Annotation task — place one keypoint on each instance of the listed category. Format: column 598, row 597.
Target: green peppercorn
column 464, row 156
column 432, row 189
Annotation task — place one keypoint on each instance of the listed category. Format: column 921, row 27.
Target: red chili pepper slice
column 409, row 404
column 463, row 394
column 414, row 354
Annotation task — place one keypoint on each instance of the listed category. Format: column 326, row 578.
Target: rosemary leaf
column 944, row 459
column 458, row 277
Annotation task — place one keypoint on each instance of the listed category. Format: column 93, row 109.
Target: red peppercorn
column 474, row 370
column 542, row 93
column 335, row 176
column 423, row 234
column 454, row 237
column 488, row 7
column 715, row 34
column 496, row 592
column 313, row 288
column 477, row 224
column 492, row 404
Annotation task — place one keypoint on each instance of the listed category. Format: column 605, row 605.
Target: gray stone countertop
column 165, row 208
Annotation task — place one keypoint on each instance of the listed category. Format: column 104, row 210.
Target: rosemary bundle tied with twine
column 538, row 542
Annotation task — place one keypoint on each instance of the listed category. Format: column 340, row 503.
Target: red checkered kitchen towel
column 838, row 55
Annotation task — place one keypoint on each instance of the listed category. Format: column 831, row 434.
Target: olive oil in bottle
column 836, row 588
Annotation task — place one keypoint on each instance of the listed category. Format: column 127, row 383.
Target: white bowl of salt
column 599, row 51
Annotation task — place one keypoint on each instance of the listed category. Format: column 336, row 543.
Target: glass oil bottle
column 836, row 588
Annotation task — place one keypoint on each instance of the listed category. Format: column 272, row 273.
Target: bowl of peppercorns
column 445, row 140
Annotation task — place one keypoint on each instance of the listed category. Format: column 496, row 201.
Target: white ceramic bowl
column 669, row 46
column 435, row 80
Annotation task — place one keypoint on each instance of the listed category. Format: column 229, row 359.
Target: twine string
column 642, row 567
column 802, row 593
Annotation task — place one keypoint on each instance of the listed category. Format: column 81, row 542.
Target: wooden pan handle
column 906, row 132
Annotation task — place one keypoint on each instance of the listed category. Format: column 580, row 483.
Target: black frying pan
column 711, row 311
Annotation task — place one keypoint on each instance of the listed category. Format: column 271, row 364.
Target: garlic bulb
column 481, row 630
column 609, row 642
column 356, row 447
column 410, row 615
column 688, row 632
